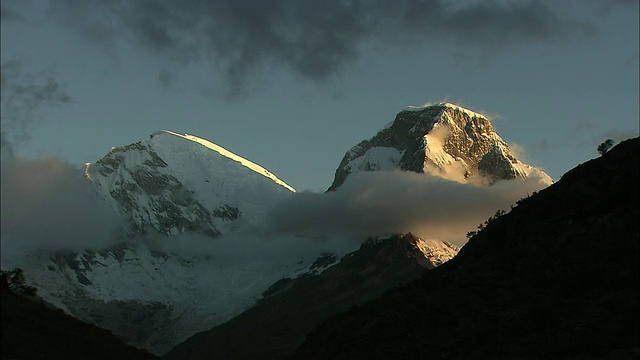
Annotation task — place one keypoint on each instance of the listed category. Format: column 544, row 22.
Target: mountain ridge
column 222, row 151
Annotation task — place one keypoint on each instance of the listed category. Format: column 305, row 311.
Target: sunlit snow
column 224, row 152
column 448, row 105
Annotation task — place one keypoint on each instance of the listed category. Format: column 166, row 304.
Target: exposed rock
column 443, row 139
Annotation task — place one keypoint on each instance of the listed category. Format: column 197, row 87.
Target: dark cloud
column 382, row 203
column 47, row 204
column 24, row 95
column 314, row 39
column 581, row 127
column 543, row 145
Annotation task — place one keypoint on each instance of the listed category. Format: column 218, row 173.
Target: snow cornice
column 226, row 153
column 471, row 113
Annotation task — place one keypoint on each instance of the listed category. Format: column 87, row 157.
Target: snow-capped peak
column 224, row 152
column 174, row 183
column 187, row 258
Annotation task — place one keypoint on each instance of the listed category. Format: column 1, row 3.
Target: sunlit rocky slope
column 445, row 140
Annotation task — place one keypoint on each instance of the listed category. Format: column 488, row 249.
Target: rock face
column 557, row 277
column 445, row 140
column 292, row 307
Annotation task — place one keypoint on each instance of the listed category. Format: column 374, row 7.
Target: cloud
column 47, row 204
column 24, row 95
column 543, row 145
column 519, row 151
column 317, row 40
column 382, row 203
column 582, row 126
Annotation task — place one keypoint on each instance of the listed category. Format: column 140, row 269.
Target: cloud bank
column 48, row 205
column 382, row 203
column 24, row 94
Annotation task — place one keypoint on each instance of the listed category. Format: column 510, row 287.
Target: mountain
column 290, row 308
column 32, row 330
column 445, row 140
column 556, row 277
column 191, row 255
column 195, row 250
column 173, row 183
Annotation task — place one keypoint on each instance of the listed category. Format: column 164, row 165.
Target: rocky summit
column 444, row 140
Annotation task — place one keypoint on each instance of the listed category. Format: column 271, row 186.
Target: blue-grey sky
column 292, row 85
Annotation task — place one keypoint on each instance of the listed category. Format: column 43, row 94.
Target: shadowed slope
column 292, row 307
column 31, row 330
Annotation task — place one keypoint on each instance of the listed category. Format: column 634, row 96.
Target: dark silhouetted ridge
column 31, row 330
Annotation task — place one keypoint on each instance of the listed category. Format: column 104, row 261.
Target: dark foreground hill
column 555, row 278
column 31, row 330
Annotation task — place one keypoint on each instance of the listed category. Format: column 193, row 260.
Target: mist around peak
column 47, row 204
column 389, row 202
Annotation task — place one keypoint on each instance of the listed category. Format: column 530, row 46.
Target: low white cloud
column 47, row 204
column 381, row 203
column 519, row 151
